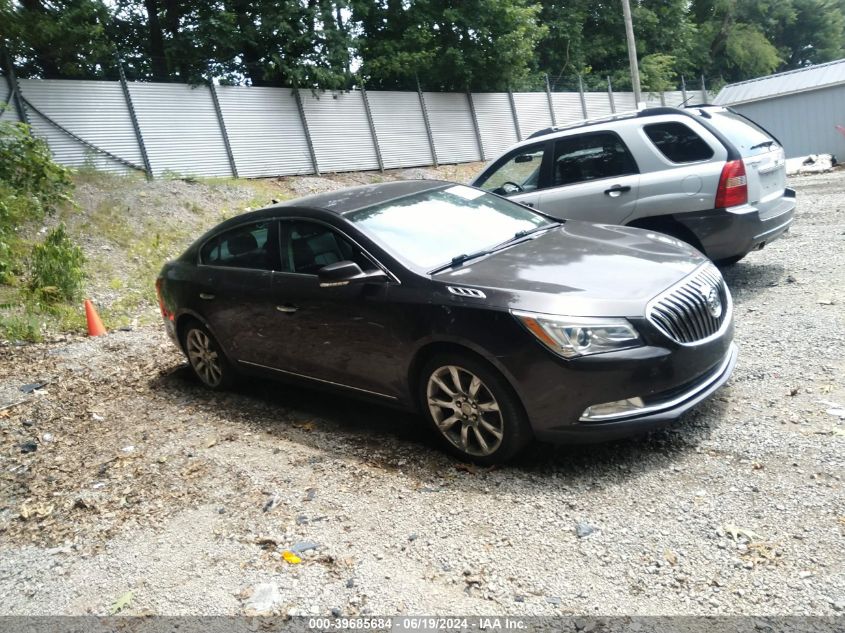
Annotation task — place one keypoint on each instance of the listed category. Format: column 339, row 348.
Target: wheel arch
column 670, row 226
column 445, row 346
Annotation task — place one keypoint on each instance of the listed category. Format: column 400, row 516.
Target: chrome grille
column 684, row 312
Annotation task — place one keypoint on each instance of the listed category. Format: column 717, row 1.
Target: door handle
column 206, row 296
column 287, row 309
column 616, row 190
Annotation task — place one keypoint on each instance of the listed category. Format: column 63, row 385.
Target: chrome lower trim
column 657, row 407
column 327, row 382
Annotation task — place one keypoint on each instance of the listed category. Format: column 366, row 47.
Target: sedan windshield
column 428, row 230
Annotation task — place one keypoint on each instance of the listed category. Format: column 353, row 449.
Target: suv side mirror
column 345, row 272
column 523, row 158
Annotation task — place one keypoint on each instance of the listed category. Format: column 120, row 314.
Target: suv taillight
column 733, row 185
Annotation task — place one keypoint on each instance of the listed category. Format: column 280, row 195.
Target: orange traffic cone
column 95, row 326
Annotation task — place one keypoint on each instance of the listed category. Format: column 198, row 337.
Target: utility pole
column 632, row 52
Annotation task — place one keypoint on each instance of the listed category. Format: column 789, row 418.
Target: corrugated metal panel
column 805, row 122
column 400, row 127
column 567, row 107
column 532, row 110
column 598, row 104
column 451, row 127
column 265, row 131
column 180, row 129
column 495, row 120
column 339, row 130
column 624, row 101
column 652, row 99
column 675, row 97
column 95, row 111
column 794, row 81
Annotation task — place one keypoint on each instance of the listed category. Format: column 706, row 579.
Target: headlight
column 580, row 336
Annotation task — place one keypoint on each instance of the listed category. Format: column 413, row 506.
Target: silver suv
column 703, row 174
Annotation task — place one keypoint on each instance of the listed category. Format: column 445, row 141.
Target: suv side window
column 308, row 246
column 677, row 142
column 591, row 157
column 248, row 246
column 519, row 174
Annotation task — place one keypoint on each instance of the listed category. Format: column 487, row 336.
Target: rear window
column 678, row 143
column 244, row 247
column 749, row 138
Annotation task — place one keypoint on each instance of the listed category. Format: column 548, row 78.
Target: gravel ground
column 140, row 491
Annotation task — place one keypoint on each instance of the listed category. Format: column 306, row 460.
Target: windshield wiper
column 763, row 144
column 460, row 259
column 519, row 235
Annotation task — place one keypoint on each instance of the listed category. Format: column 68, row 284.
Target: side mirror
column 346, row 272
column 523, row 158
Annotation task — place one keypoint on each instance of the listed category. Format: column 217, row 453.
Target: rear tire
column 206, row 357
column 472, row 409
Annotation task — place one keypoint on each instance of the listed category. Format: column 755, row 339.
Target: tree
column 447, row 44
column 58, row 38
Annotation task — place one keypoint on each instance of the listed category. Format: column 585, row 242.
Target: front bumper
column 669, row 377
column 727, row 233
column 661, row 409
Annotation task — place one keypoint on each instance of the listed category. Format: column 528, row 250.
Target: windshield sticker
column 462, row 191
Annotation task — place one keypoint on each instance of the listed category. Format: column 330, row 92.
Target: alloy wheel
column 465, row 410
column 204, row 357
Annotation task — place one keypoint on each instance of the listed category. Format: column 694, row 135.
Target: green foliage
column 20, row 327
column 657, row 72
column 27, row 167
column 445, row 44
column 31, row 186
column 57, row 272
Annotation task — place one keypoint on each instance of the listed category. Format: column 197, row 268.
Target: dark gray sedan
column 498, row 323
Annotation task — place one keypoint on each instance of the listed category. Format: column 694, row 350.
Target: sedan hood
column 579, row 269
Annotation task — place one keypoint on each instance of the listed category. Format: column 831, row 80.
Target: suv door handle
column 287, row 309
column 616, row 190
column 206, row 296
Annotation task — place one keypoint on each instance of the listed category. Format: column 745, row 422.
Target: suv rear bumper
column 734, row 232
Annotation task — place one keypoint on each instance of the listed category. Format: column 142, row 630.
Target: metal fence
column 242, row 131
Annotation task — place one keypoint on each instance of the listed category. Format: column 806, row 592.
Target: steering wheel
column 509, row 187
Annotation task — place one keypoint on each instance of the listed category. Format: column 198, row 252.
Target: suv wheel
column 206, row 357
column 473, row 410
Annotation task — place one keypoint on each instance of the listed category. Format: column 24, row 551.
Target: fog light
column 611, row 410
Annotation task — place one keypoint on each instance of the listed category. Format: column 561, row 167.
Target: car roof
column 351, row 199
column 624, row 116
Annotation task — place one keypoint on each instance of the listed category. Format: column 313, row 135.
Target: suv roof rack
column 622, row 116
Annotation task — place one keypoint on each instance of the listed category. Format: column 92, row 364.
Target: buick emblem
column 711, row 298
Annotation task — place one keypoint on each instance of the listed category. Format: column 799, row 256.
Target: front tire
column 473, row 410
column 206, row 357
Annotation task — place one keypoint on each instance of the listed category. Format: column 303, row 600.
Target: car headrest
column 240, row 244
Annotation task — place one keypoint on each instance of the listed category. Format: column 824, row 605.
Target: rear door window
column 591, row 157
column 749, row 138
column 678, row 142
column 249, row 246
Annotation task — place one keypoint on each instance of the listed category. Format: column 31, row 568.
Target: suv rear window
column 749, row 138
column 677, row 142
